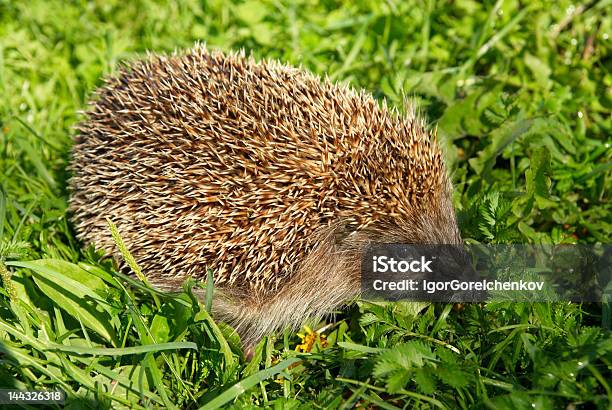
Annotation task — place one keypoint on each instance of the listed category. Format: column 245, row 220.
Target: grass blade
column 124, row 351
column 244, row 385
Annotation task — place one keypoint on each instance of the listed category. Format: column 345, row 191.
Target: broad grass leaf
column 537, row 179
column 23, row 357
column 536, row 176
column 359, row 348
column 541, row 71
column 253, row 366
column 71, row 276
column 160, row 329
column 501, row 138
column 122, row 351
column 96, row 271
column 224, row 346
column 74, row 290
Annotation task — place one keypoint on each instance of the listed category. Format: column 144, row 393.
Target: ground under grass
column 521, row 93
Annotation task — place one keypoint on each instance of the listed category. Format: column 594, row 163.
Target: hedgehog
column 274, row 178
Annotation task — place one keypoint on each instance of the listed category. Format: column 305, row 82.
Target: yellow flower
column 310, row 339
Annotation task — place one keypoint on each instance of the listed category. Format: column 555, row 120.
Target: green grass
column 521, row 94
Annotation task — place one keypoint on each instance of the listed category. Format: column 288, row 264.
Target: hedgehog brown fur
column 265, row 173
